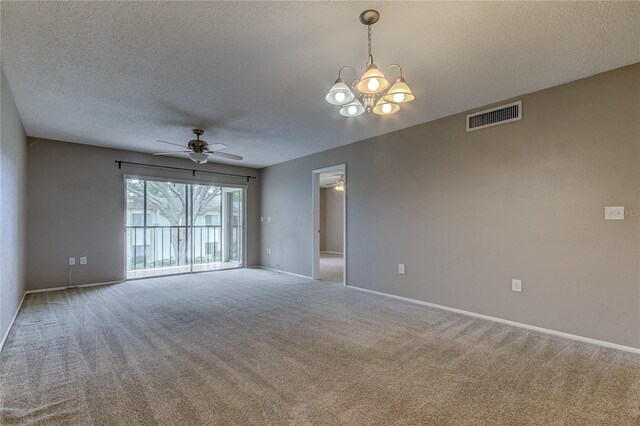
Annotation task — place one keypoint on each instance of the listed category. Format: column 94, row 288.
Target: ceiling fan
column 332, row 180
column 199, row 150
column 339, row 185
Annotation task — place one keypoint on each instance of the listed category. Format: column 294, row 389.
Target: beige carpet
column 331, row 267
column 252, row 347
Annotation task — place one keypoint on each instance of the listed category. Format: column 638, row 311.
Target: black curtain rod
column 193, row 171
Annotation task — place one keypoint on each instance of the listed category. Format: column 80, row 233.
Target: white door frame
column 315, row 225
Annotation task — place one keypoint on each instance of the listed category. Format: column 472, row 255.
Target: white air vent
column 494, row 116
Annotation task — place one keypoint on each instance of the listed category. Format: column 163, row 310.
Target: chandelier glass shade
column 385, row 108
column 373, row 91
column 372, row 81
column 352, row 109
column 399, row 92
column 339, row 94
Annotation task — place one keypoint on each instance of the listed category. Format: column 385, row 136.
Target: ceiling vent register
column 494, row 116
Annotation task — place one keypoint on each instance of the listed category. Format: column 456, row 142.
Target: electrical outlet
column 268, row 250
column 83, row 260
column 401, row 268
column 261, row 218
column 614, row 213
column 516, row 285
column 72, row 261
column 268, row 218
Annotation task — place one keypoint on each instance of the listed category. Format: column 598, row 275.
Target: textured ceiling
column 254, row 75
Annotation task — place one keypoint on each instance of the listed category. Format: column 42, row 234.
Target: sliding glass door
column 235, row 213
column 174, row 227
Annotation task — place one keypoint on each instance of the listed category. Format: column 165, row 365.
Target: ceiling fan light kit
column 198, row 157
column 371, row 86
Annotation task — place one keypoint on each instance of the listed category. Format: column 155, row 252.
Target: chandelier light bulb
column 352, row 110
column 398, row 97
column 386, row 108
column 373, row 84
column 340, row 96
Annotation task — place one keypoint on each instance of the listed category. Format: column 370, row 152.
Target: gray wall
column 13, row 207
column 334, row 218
column 468, row 211
column 76, row 199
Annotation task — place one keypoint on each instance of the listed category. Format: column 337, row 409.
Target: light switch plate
column 401, row 268
column 83, row 260
column 516, row 285
column 72, row 261
column 614, row 213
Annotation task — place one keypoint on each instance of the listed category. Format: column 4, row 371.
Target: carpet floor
column 254, row 347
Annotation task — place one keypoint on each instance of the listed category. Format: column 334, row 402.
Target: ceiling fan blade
column 171, row 143
column 170, row 152
column 226, row 155
column 216, row 147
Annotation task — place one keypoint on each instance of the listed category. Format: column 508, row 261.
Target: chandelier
column 371, row 89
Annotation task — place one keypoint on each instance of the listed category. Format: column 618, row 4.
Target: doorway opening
column 176, row 227
column 329, row 224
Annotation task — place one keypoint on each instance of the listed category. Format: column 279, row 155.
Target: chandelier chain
column 369, row 42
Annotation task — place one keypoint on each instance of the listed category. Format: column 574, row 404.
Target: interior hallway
column 331, row 267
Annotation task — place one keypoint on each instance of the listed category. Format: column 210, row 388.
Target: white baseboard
column 45, row 290
column 4, row 338
column 282, row 272
column 331, row 252
column 508, row 322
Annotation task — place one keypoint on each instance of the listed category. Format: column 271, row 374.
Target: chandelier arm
column 347, row 67
column 394, row 65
